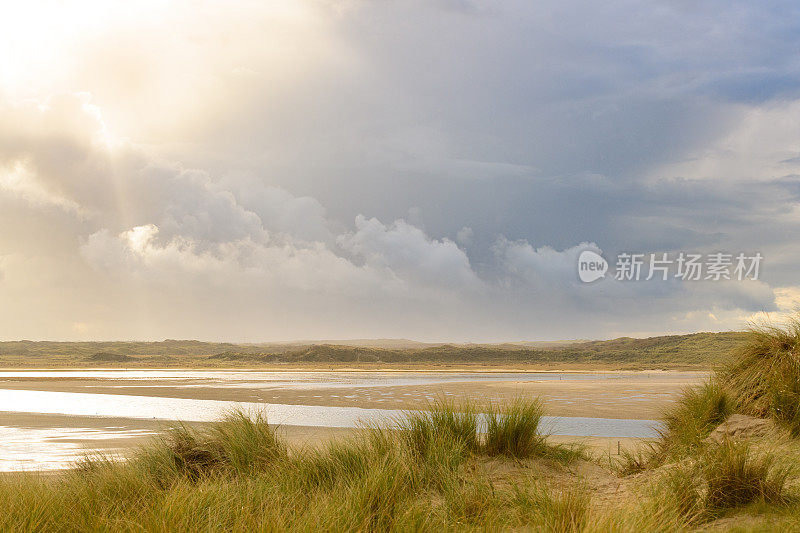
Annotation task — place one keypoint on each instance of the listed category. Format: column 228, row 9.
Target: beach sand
column 629, row 395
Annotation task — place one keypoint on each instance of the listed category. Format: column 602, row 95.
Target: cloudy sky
column 427, row 169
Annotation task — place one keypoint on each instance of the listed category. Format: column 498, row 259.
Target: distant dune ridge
column 698, row 350
column 109, row 357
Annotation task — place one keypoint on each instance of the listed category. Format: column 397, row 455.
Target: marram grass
column 433, row 470
column 237, row 475
column 761, row 378
column 694, row 480
column 764, row 376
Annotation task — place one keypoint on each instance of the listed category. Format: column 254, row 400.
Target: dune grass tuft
column 717, row 479
column 698, row 480
column 632, row 461
column 764, row 377
column 691, row 419
column 687, row 423
column 761, row 379
column 564, row 511
column 442, row 419
column 710, row 482
column 682, row 492
column 239, row 444
column 735, row 476
column 513, row 429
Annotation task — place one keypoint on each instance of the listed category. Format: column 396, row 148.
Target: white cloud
column 543, row 268
column 405, row 250
column 762, row 145
column 237, row 265
column 297, row 217
column 465, row 236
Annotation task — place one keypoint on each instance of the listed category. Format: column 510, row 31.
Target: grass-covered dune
column 732, row 444
column 699, row 350
column 760, row 379
column 446, row 469
column 433, row 470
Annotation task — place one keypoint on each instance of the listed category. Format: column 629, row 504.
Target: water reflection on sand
column 25, row 448
column 36, row 446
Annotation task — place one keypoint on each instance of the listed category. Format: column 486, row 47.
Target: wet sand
column 297, row 437
column 630, row 395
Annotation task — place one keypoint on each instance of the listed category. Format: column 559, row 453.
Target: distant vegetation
column 107, row 357
column 86, row 349
column 700, row 350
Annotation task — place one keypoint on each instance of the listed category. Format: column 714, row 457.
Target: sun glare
column 38, row 38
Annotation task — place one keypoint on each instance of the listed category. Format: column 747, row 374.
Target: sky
column 320, row 169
